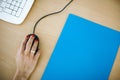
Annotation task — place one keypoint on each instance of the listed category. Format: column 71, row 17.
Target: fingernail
column 32, row 35
column 36, row 40
column 27, row 36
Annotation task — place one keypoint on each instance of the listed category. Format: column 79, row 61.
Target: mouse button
column 36, row 37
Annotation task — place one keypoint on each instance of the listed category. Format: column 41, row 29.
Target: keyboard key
column 7, row 10
column 3, row 4
column 23, row 3
column 20, row 0
column 7, row 5
column 14, row 2
column 14, row 13
column 18, row 12
column 11, row 7
column 17, row 4
column 9, row 1
column 0, row 9
column 15, row 8
column 4, row 0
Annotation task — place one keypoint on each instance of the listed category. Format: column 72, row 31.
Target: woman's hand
column 26, row 58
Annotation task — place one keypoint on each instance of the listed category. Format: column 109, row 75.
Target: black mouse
column 36, row 38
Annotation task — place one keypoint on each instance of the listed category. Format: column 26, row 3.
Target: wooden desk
column 105, row 12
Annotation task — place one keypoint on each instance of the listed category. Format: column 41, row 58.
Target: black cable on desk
column 49, row 15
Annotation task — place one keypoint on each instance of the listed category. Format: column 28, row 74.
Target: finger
column 37, row 55
column 34, row 48
column 29, row 44
column 22, row 46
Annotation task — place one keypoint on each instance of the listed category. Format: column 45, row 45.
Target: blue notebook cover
column 84, row 51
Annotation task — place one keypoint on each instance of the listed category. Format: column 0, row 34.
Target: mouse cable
column 49, row 15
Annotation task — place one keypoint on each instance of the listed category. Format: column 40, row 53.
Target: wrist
column 19, row 75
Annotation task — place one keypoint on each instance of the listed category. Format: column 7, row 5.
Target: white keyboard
column 14, row 11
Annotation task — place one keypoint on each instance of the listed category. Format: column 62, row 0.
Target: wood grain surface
column 105, row 12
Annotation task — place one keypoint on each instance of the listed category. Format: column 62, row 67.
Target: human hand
column 26, row 58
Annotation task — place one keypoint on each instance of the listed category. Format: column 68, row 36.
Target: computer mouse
column 36, row 38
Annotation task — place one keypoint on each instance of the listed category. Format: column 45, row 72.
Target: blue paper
column 84, row 51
